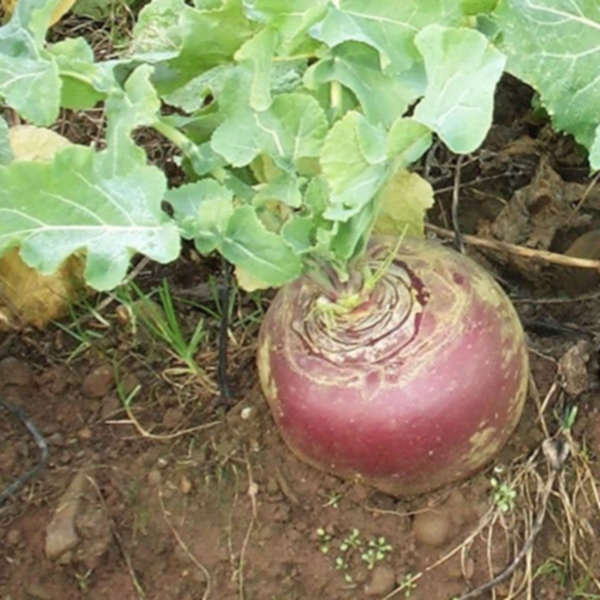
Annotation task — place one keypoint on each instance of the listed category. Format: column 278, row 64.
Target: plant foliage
column 294, row 119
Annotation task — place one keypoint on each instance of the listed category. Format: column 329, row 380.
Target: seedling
column 503, row 495
column 324, row 540
column 351, row 542
column 409, row 583
column 377, row 550
column 342, row 565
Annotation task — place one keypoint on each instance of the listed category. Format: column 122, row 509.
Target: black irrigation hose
column 18, row 412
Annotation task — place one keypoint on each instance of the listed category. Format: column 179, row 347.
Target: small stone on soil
column 185, row 485
column 13, row 537
column 110, row 406
column 431, row 528
column 98, row 382
column 85, row 433
column 61, row 533
column 14, row 371
column 154, row 477
column 382, row 581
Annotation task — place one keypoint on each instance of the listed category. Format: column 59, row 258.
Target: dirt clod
column 15, row 372
column 431, row 528
column 98, row 381
column 61, row 534
column 382, row 581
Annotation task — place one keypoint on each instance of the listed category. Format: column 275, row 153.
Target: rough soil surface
column 196, row 500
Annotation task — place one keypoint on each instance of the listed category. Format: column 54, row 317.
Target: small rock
column 61, row 533
column 573, row 368
column 382, row 581
column 431, row 528
column 172, row 417
column 14, row 371
column 111, row 405
column 272, row 486
column 185, row 485
column 65, row 457
column 13, row 537
column 98, row 382
column 154, row 477
column 35, row 591
column 85, row 433
column 129, row 383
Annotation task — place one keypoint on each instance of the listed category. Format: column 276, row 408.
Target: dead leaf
column 35, row 143
column 8, row 6
column 403, row 202
column 248, row 282
column 535, row 214
column 26, row 296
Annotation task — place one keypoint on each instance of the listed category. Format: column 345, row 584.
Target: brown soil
column 196, row 501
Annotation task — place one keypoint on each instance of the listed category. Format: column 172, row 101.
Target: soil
column 180, row 495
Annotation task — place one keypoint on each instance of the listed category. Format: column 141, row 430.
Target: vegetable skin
column 415, row 388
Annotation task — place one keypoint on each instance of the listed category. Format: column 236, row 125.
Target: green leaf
column 407, row 141
column 462, row 72
column 553, row 46
column 402, row 203
column 294, row 127
column 298, row 232
column 136, row 105
column 348, row 164
column 187, row 41
column 284, row 188
column 6, row 154
column 249, row 245
column 292, row 19
column 53, row 209
column 382, row 97
column 29, row 80
column 476, row 7
column 352, row 235
column 192, row 96
column 202, row 210
column 259, row 51
column 157, row 34
column 389, row 26
column 84, row 82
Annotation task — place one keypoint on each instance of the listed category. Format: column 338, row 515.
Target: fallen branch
column 544, row 255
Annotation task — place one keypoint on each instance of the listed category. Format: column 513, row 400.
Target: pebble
column 172, row 417
column 85, row 433
column 382, row 581
column 111, row 405
column 14, row 371
column 154, row 477
column 431, row 528
column 129, row 383
column 13, row 537
column 61, row 533
column 185, row 485
column 56, row 439
column 98, row 382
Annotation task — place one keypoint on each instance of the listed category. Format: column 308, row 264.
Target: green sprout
column 409, row 583
column 342, row 565
column 504, row 496
column 377, row 551
column 324, row 539
column 351, row 541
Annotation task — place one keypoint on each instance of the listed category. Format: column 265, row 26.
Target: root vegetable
column 419, row 385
